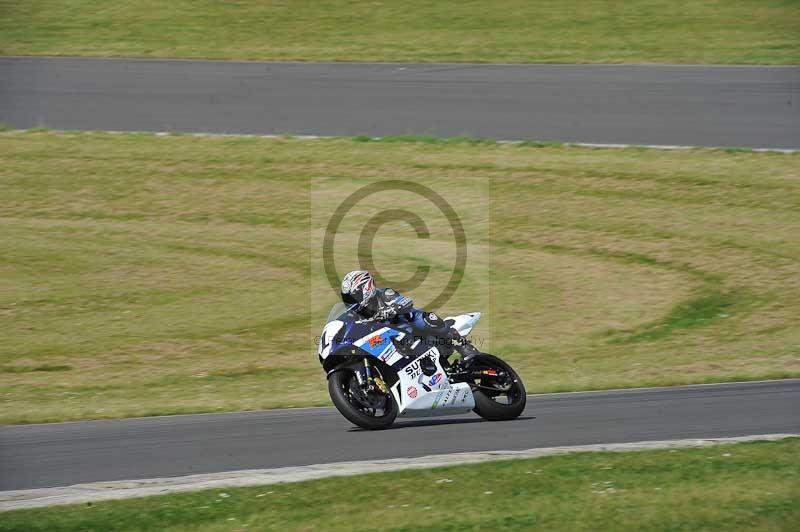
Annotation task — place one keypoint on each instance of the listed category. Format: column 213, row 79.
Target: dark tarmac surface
column 734, row 106
column 69, row 453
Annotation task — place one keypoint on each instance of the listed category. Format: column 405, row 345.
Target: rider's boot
column 464, row 347
column 467, row 351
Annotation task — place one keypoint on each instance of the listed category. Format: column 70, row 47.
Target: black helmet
column 358, row 287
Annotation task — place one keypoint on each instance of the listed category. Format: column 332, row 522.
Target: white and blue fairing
column 416, row 394
column 345, row 330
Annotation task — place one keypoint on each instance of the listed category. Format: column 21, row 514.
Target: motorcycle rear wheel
column 339, row 388
column 486, row 400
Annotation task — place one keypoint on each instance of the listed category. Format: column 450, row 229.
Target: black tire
column 338, row 383
column 488, row 408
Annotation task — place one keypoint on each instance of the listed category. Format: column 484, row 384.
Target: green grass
column 515, row 31
column 144, row 274
column 747, row 486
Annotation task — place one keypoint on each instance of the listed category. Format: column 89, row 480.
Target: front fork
column 373, row 378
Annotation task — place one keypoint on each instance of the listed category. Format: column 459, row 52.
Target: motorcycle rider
column 385, row 304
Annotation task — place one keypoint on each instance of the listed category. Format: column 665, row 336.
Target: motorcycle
column 378, row 370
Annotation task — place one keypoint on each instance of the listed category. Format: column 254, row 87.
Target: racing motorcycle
column 378, row 370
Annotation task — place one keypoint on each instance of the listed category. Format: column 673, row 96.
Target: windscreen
column 337, row 310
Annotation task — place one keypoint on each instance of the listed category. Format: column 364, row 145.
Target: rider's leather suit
column 389, row 305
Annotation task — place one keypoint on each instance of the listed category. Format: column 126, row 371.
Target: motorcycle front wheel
column 368, row 410
column 498, row 390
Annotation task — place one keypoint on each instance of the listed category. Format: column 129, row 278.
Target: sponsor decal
column 387, row 353
column 412, row 392
column 377, row 343
column 435, row 379
column 403, row 301
column 412, row 371
column 444, row 400
column 464, row 396
column 375, row 340
column 433, row 317
column 449, row 394
column 436, row 401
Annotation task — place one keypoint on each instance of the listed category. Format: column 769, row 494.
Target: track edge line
column 113, row 490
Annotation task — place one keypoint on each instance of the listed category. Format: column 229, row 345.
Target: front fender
column 331, row 366
column 355, row 362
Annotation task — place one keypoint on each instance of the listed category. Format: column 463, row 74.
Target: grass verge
column 516, row 31
column 144, row 274
column 747, row 486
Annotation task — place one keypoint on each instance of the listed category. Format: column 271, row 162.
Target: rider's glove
column 385, row 313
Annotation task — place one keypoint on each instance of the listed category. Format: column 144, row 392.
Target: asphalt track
column 58, row 454
column 734, row 106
